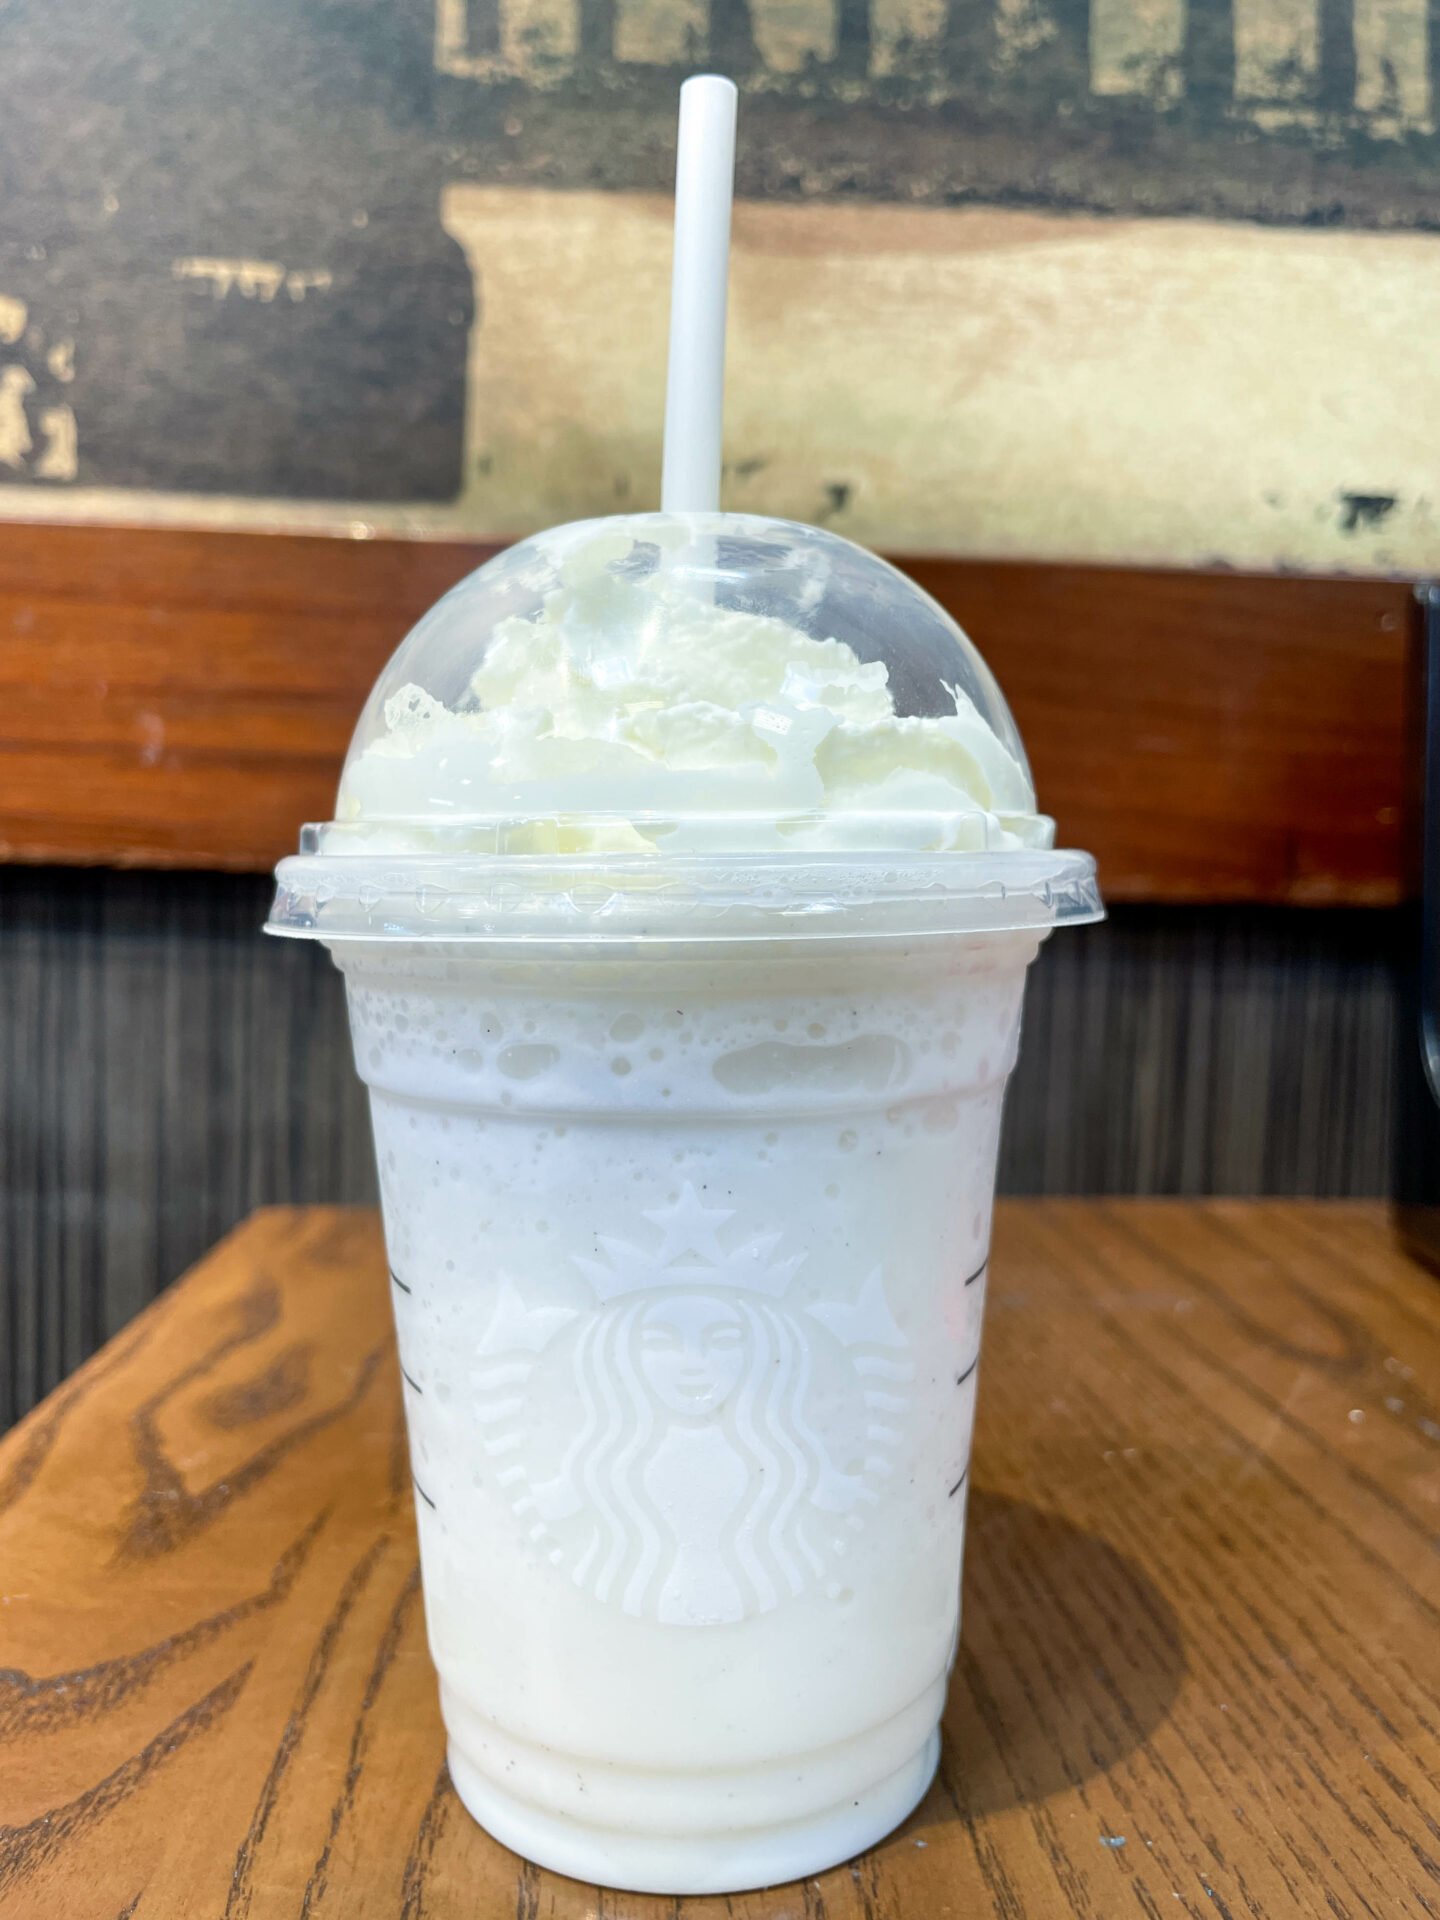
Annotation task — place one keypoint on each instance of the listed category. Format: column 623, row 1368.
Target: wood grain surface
column 1197, row 1672
column 185, row 698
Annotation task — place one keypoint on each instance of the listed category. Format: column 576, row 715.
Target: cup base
column 734, row 1862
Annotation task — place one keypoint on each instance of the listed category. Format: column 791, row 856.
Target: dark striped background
column 164, row 1069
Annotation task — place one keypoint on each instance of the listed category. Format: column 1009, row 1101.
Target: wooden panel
column 185, row 699
column 1195, row 1674
column 1209, row 736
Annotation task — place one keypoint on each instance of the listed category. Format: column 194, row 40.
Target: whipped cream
column 632, row 712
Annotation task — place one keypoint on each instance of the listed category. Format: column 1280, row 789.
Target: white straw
column 695, row 390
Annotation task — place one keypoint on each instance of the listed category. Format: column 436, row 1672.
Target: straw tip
column 718, row 85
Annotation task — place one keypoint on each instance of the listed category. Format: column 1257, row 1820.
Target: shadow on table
column 1070, row 1656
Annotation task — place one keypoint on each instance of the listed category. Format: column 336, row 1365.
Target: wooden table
column 1200, row 1659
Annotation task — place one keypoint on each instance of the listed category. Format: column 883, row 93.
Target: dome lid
column 663, row 696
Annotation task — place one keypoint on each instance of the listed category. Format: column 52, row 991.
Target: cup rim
column 586, row 900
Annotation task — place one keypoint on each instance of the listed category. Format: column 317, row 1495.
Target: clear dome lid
column 668, row 694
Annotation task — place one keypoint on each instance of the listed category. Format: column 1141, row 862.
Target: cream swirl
column 631, row 712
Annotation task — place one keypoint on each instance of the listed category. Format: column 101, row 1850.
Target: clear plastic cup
column 687, row 1098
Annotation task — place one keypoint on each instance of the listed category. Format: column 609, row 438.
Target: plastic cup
column 687, row 1158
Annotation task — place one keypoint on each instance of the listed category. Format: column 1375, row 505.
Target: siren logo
column 697, row 1445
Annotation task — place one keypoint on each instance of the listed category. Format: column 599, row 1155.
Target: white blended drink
column 686, row 875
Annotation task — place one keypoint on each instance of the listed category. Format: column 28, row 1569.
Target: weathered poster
column 1112, row 279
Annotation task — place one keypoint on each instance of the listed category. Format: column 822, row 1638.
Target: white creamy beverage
column 685, row 877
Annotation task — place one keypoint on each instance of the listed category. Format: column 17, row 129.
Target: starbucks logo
column 722, row 1430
